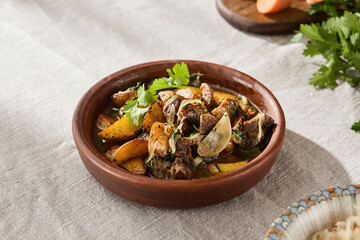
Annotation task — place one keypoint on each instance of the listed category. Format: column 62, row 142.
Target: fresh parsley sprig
column 335, row 8
column 338, row 41
column 356, row 126
column 135, row 110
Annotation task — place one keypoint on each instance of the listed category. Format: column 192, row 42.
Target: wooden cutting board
column 242, row 14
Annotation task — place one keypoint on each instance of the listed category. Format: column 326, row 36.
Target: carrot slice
column 271, row 6
column 313, row 1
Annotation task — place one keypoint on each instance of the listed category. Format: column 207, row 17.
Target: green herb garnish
column 356, row 126
column 135, row 110
column 335, row 8
column 137, row 85
column 338, row 41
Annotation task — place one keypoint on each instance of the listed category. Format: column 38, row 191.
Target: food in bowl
column 181, row 128
column 343, row 230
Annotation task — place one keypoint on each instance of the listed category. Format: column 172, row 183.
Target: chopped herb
column 238, row 110
column 136, row 109
column 150, row 164
column 356, row 126
column 241, row 134
column 206, row 111
column 135, row 87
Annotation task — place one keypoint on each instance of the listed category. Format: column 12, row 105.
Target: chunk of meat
column 230, row 106
column 165, row 95
column 193, row 111
column 186, row 126
column 258, row 128
column 160, row 167
column 207, row 122
column 171, row 107
column 121, row 97
column 238, row 126
column 180, row 170
column 207, row 95
column 159, row 139
column 189, row 93
column 183, row 149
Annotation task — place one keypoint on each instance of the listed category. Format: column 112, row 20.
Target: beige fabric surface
column 51, row 52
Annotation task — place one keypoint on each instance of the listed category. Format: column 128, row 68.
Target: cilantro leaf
column 135, row 87
column 356, row 126
column 179, row 75
column 158, row 84
column 135, row 110
column 145, row 97
column 311, row 31
column 135, row 115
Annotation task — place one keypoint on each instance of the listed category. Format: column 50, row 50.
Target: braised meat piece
column 171, row 107
column 230, row 106
column 183, row 149
column 207, row 95
column 186, row 126
column 180, row 170
column 121, row 97
column 257, row 128
column 238, row 126
column 193, row 111
column 207, row 122
column 160, row 167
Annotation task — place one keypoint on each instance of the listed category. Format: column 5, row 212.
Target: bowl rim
column 101, row 162
column 276, row 229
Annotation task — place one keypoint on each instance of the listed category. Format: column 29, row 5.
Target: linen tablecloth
column 51, row 52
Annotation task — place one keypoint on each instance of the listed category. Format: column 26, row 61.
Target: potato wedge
column 135, row 165
column 220, row 96
column 217, row 168
column 111, row 154
column 121, row 97
column 133, row 149
column 227, row 167
column 165, row 95
column 159, row 139
column 104, row 121
column 121, row 130
column 155, row 114
column 189, row 93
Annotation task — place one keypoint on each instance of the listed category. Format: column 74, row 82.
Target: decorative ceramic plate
column 316, row 212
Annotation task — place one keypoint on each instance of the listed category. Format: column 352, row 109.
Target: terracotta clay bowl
column 166, row 193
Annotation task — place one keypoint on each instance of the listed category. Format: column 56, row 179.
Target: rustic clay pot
column 175, row 193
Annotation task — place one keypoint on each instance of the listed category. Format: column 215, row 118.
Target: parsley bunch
column 338, row 41
column 135, row 110
column 335, row 8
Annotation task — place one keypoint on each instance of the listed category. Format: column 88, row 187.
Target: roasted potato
column 159, row 139
column 104, row 121
column 155, row 114
column 227, row 167
column 135, row 165
column 121, row 97
column 220, row 96
column 121, row 130
column 189, row 93
column 132, row 149
column 111, row 154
